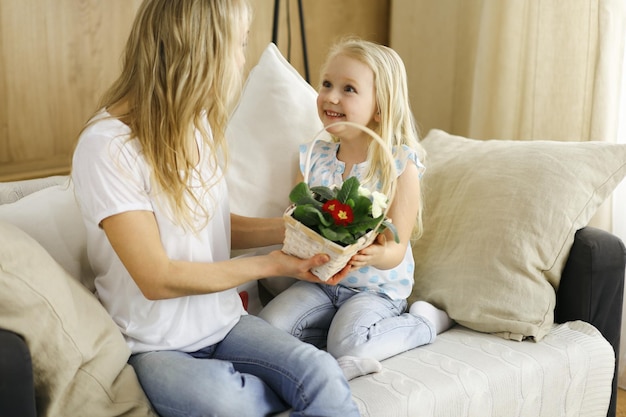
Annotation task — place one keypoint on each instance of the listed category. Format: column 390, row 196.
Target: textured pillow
column 79, row 356
column 12, row 191
column 500, row 218
column 52, row 217
column 276, row 112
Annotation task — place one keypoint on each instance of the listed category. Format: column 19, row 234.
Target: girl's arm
column 135, row 238
column 385, row 253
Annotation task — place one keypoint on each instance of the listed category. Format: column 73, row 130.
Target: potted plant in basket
column 338, row 221
column 342, row 215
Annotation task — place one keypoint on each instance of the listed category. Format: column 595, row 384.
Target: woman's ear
column 377, row 116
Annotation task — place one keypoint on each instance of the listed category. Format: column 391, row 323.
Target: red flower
column 342, row 213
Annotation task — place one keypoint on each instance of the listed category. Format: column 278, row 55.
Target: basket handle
column 394, row 175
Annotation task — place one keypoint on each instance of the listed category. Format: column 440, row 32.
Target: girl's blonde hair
column 397, row 125
column 180, row 67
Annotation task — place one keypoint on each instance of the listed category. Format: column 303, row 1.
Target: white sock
column 438, row 318
column 353, row 366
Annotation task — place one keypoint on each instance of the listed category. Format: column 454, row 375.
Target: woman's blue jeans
column 257, row 370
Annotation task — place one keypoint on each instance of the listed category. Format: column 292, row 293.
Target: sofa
column 508, row 251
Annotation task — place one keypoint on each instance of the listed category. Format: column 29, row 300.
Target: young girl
column 363, row 319
column 155, row 204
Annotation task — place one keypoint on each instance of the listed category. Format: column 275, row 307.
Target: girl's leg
column 439, row 318
column 369, row 325
column 180, row 385
column 304, row 310
column 306, row 378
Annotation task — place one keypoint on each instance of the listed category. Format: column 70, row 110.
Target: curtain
column 522, row 70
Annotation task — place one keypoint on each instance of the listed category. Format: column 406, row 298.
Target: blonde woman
column 364, row 319
column 155, row 203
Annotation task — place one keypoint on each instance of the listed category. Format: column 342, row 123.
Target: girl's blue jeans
column 257, row 370
column 347, row 322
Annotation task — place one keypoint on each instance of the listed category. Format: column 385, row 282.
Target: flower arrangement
column 341, row 214
column 337, row 221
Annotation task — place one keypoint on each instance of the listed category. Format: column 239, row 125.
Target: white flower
column 379, row 203
column 365, row 192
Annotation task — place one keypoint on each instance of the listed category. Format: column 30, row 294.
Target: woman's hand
column 301, row 268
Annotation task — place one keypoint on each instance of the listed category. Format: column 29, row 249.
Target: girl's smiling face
column 347, row 93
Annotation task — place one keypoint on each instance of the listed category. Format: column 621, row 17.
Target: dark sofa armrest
column 17, row 390
column 592, row 288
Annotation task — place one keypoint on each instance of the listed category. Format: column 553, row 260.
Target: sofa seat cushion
column 472, row 374
column 78, row 354
column 465, row 373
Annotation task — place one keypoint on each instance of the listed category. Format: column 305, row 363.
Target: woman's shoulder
column 104, row 124
column 103, row 129
column 105, row 138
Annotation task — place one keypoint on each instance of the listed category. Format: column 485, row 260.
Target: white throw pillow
column 277, row 111
column 499, row 222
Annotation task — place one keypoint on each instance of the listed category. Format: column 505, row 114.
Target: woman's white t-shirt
column 111, row 176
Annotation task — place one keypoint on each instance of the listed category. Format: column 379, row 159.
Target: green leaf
column 361, row 207
column 368, row 223
column 325, row 193
column 349, row 190
column 301, row 195
column 310, row 216
column 341, row 236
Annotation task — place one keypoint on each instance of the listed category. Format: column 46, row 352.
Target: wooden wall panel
column 326, row 21
column 57, row 57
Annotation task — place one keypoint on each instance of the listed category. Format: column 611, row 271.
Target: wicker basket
column 303, row 242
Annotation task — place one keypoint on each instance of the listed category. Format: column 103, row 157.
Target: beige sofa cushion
column 500, row 218
column 78, row 354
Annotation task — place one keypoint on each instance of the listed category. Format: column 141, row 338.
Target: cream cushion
column 500, row 218
column 78, row 354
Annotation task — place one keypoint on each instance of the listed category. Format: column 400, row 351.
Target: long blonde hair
column 180, row 67
column 397, row 125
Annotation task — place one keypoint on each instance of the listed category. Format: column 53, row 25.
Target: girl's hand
column 370, row 255
column 292, row 266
